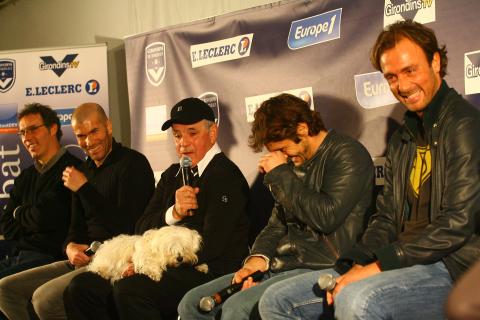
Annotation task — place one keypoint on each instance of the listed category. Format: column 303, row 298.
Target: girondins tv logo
column 59, row 67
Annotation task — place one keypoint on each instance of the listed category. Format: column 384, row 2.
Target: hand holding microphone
column 185, row 197
column 207, row 304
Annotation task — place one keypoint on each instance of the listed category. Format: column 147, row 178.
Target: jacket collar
column 430, row 115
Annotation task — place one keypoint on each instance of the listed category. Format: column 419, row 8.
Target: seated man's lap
column 166, row 293
column 411, row 292
column 244, row 301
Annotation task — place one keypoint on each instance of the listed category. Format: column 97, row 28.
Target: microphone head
column 90, row 251
column 186, row 162
column 326, row 282
column 206, row 304
column 95, row 245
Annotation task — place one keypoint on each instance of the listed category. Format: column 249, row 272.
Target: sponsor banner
column 373, row 91
column 320, row 47
column 422, row 11
column 211, row 98
column 314, row 30
column 222, row 50
column 8, row 118
column 379, row 163
column 253, row 103
column 472, row 72
column 61, row 78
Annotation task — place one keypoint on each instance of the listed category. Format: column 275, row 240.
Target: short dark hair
column 48, row 115
column 278, row 118
column 414, row 31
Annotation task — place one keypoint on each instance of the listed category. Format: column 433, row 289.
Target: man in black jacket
column 425, row 232
column 110, row 193
column 322, row 184
column 215, row 206
column 37, row 215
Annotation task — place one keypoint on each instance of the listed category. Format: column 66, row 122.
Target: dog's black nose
column 179, row 259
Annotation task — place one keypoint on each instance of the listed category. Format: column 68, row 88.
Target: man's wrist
column 265, row 258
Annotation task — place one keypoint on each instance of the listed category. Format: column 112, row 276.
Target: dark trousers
column 137, row 297
column 23, row 260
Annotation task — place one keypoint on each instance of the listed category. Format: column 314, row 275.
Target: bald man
column 110, row 192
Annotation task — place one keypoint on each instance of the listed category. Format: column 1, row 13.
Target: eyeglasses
column 29, row 129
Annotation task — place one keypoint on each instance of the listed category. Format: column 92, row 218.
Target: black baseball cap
column 189, row 111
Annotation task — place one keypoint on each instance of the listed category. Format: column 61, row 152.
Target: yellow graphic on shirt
column 422, row 168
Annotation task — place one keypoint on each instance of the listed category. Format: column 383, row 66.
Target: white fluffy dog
column 150, row 253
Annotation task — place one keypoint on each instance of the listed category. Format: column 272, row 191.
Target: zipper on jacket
column 406, row 175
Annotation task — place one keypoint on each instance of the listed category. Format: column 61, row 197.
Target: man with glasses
column 110, row 192
column 37, row 214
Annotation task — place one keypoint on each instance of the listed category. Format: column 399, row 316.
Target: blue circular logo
column 92, row 87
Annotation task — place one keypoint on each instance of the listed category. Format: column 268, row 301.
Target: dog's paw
column 202, row 268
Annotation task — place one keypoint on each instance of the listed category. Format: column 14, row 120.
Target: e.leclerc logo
column 222, row 50
column 314, row 30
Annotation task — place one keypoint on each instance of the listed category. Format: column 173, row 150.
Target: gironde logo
column 211, row 98
column 472, row 72
column 155, row 63
column 314, row 30
column 373, row 90
column 59, row 67
column 7, row 74
column 422, row 11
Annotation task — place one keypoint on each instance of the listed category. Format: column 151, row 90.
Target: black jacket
column 221, row 217
column 452, row 235
column 114, row 197
column 319, row 211
column 41, row 222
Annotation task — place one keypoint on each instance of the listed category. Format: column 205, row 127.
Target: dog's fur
column 151, row 254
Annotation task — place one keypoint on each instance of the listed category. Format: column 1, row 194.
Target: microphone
column 206, row 304
column 90, row 251
column 185, row 166
column 326, row 282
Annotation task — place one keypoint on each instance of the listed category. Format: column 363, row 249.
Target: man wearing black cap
column 215, row 206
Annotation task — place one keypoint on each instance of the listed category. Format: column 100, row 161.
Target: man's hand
column 253, row 264
column 185, row 202
column 76, row 255
column 73, row 179
column 271, row 160
column 356, row 273
column 129, row 270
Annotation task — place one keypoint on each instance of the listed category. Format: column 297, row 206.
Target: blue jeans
column 238, row 306
column 417, row 292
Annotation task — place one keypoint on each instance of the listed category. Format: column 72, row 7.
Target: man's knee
column 189, row 302
column 124, row 289
column 47, row 301
column 351, row 303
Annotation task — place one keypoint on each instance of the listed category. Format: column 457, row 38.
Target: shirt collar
column 44, row 168
column 202, row 164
